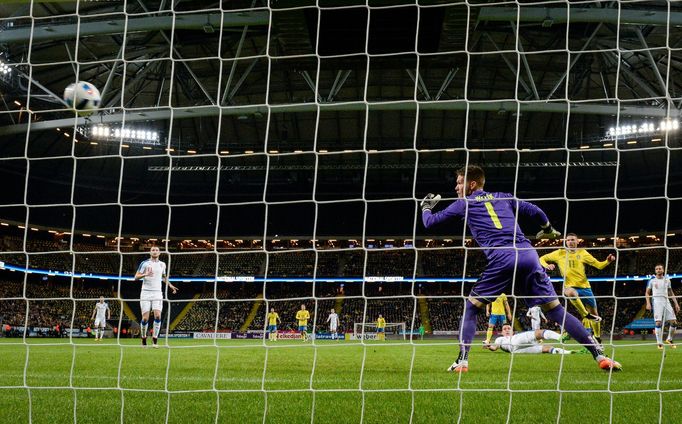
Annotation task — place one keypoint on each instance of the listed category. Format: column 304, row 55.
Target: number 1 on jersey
column 493, row 215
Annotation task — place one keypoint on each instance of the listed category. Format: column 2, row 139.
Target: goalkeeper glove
column 430, row 201
column 548, row 232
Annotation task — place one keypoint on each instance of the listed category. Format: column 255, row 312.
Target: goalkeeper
column 492, row 222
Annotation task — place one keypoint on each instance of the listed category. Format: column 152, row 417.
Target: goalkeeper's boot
column 608, row 364
column 144, row 341
column 565, row 337
column 155, row 343
column 671, row 344
column 459, row 366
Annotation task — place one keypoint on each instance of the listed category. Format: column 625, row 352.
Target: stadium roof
column 405, row 94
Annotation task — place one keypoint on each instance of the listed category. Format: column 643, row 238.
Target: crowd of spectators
column 51, row 301
column 229, row 305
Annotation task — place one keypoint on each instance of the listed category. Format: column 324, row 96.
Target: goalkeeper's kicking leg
column 554, row 311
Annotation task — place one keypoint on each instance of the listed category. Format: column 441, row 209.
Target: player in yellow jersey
column 303, row 316
column 571, row 262
column 381, row 328
column 498, row 313
column 273, row 320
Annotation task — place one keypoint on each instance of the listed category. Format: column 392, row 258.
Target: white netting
column 277, row 152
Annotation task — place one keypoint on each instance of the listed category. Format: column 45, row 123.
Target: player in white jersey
column 526, row 342
column 152, row 271
column 660, row 289
column 333, row 320
column 536, row 316
column 100, row 314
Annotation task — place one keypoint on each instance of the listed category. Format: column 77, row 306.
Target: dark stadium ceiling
column 256, row 89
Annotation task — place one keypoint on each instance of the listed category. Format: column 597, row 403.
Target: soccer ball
column 82, row 96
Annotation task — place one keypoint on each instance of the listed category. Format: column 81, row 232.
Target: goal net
column 277, row 153
column 370, row 331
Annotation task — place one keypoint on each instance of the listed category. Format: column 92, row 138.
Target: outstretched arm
column 592, row 261
column 491, row 347
column 455, row 209
column 550, row 257
column 532, row 211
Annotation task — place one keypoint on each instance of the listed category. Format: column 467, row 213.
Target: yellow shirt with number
column 497, row 307
column 381, row 323
column 302, row 317
column 571, row 264
column 272, row 318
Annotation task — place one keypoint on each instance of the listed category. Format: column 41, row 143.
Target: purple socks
column 574, row 328
column 468, row 329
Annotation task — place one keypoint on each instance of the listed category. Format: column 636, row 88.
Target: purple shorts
column 529, row 280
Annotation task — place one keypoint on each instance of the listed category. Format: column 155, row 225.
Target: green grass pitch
column 202, row 382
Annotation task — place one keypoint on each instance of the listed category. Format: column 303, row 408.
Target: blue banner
column 641, row 324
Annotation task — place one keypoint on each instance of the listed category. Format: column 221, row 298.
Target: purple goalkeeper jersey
column 490, row 218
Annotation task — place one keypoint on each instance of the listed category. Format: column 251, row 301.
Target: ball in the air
column 82, row 96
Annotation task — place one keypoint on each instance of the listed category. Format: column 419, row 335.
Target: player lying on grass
column 526, row 342
column 491, row 218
